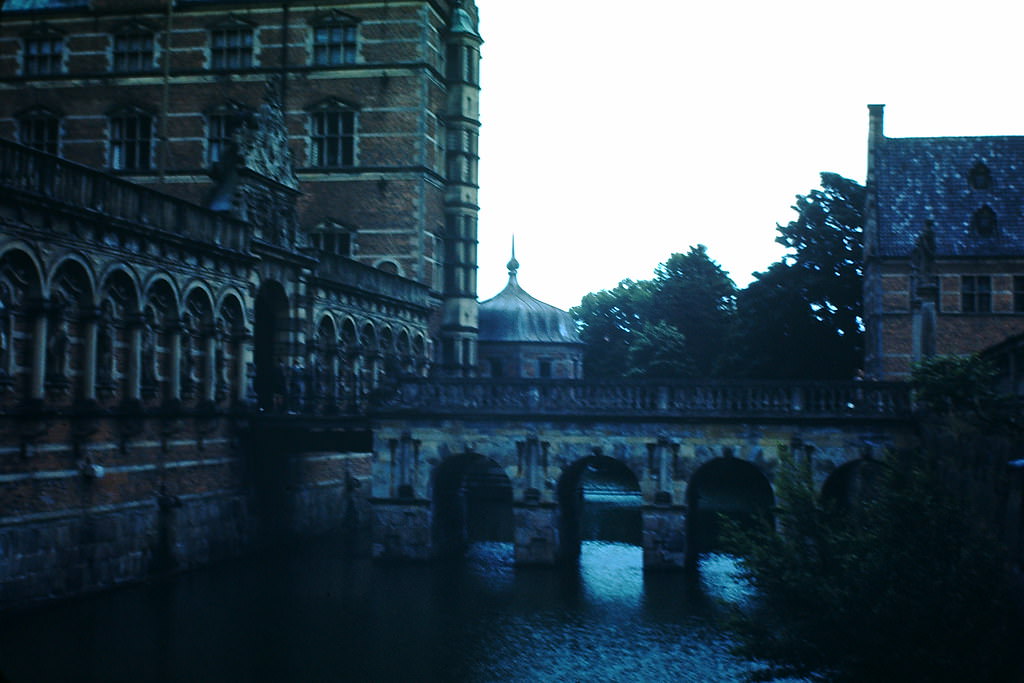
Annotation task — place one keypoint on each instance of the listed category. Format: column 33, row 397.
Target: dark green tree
column 674, row 325
column 608, row 322
column 695, row 296
column 907, row 586
column 801, row 319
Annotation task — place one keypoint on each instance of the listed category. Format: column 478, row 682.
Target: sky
column 617, row 133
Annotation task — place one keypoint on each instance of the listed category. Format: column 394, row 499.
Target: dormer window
column 134, row 50
column 231, row 46
column 979, row 177
column 40, row 129
column 984, row 221
column 334, row 40
column 44, row 53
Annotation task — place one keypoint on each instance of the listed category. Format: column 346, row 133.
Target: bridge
column 461, row 460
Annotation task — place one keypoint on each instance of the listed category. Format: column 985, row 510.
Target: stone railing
column 359, row 276
column 61, row 182
column 697, row 398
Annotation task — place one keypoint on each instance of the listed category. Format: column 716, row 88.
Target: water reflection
column 313, row 616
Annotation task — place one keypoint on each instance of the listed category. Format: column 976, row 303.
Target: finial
column 513, row 265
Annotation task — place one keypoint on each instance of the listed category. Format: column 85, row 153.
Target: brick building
column 223, row 227
column 380, row 105
column 944, row 246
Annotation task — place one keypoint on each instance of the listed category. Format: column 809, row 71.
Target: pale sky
column 617, row 133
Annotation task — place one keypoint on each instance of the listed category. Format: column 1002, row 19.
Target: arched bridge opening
column 851, row 485
column 472, row 503
column 599, row 500
column 724, row 489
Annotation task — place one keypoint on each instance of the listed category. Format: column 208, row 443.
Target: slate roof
column 515, row 316
column 38, row 5
column 926, row 179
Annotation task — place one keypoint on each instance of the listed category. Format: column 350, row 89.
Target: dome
column 515, row 316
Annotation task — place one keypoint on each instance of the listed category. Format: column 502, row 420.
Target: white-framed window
column 131, row 141
column 335, row 42
column 44, row 54
column 231, row 46
column 40, row 129
column 134, row 50
column 332, row 136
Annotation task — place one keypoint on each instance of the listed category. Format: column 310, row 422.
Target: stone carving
column 262, row 140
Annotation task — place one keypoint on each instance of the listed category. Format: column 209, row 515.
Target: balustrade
column 680, row 399
column 72, row 185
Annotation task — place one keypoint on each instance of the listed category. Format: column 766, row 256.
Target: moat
column 313, row 615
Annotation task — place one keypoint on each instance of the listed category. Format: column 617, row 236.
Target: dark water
column 314, row 616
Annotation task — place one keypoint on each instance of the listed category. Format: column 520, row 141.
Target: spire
column 513, row 264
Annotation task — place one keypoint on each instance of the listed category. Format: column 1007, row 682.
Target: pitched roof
column 927, row 179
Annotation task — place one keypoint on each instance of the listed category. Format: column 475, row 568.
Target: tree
column 608, row 321
column 675, row 325
column 907, row 586
column 698, row 298
column 801, row 319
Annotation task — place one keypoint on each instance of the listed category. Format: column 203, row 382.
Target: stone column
column 175, row 369
column 242, row 354
column 664, row 538
column 211, row 369
column 536, row 536
column 39, row 341
column 134, row 392
column 91, row 334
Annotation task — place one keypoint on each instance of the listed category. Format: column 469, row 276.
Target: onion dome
column 515, row 316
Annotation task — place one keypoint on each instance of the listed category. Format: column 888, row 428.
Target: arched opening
column 270, row 345
column 724, row 488
column 599, row 500
column 851, row 485
column 472, row 504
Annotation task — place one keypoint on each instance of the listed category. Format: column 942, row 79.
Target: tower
column 459, row 324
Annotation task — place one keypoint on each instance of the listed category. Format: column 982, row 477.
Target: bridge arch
column 851, row 484
column 727, row 487
column 472, row 502
column 599, row 498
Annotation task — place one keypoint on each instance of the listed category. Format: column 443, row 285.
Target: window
column 1018, row 293
column 461, row 64
column 496, row 368
column 333, row 138
column 133, row 51
column 131, row 141
column 44, row 55
column 334, row 43
column 984, row 221
column 979, row 177
column 975, row 294
column 40, row 129
column 231, row 47
column 544, row 368
column 221, row 127
column 332, row 240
